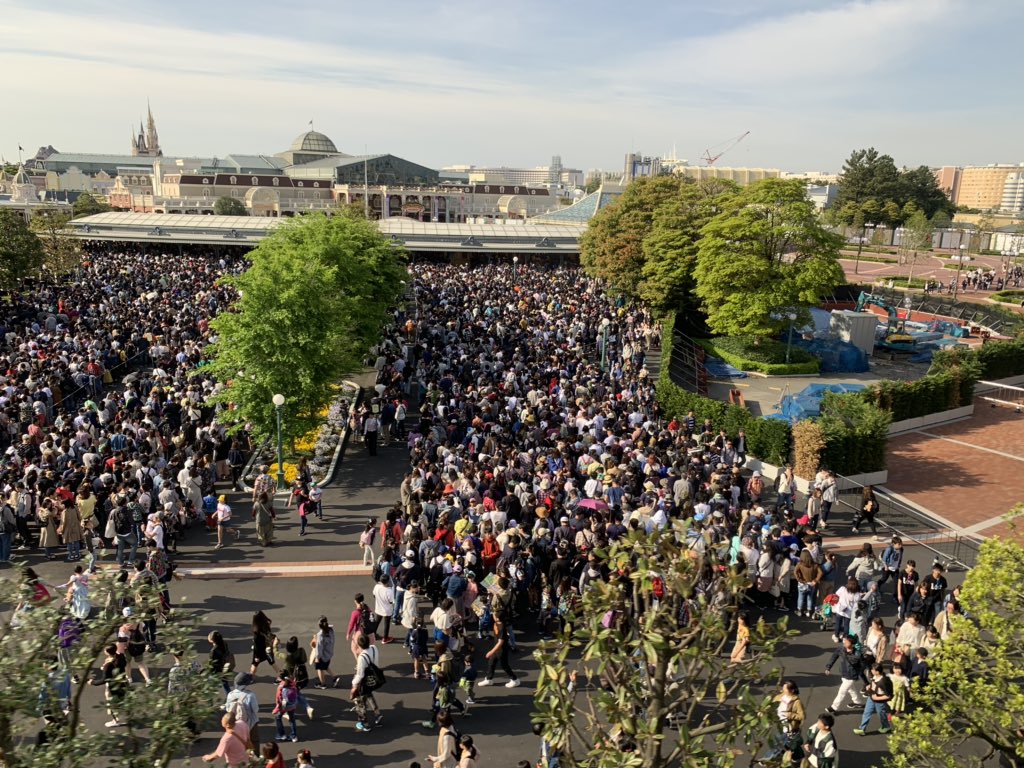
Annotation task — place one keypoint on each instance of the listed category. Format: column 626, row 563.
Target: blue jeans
column 870, row 708
column 805, row 597
column 279, row 719
column 5, row 547
column 842, row 625
column 396, row 616
column 126, row 541
column 74, row 550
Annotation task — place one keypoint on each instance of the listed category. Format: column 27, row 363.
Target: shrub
column 1008, row 297
column 855, row 433
column 992, row 360
column 941, row 391
column 767, row 439
column 808, row 443
column 768, row 357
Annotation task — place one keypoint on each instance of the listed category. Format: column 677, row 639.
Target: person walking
column 384, row 606
column 286, row 703
column 879, row 692
column 371, row 427
column 223, row 516
column 263, row 514
column 363, row 697
column 447, row 742
column 868, row 510
column 499, row 653
column 850, row 670
column 366, row 541
column 264, row 642
column 322, row 645
column 242, row 705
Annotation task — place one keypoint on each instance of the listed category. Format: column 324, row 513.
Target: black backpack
column 122, row 521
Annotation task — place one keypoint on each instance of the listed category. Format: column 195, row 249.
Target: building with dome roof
column 309, row 146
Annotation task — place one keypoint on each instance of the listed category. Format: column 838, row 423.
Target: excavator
column 895, row 337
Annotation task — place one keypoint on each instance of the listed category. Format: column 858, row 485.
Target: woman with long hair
column 263, row 643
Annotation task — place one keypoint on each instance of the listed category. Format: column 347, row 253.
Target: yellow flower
column 291, row 471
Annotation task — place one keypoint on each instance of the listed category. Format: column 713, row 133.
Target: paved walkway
column 970, row 472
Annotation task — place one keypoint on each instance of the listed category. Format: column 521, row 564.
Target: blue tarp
column 806, row 404
column 719, row 369
column 836, row 356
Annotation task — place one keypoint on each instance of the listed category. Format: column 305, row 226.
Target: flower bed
column 318, row 447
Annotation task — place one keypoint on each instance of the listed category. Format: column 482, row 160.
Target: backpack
column 21, row 510
column 374, row 677
column 289, row 698
column 135, row 510
column 366, row 623
column 7, row 522
column 122, row 521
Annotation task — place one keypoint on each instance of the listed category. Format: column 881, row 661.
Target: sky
column 931, row 82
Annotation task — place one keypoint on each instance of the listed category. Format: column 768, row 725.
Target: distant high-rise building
column 948, row 179
column 741, row 176
column 1013, row 193
column 555, row 170
column 981, row 187
column 638, row 165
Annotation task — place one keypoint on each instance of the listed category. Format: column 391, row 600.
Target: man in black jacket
column 851, row 670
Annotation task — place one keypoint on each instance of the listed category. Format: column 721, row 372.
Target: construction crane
column 725, row 146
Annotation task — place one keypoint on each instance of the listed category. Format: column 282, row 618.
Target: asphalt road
column 500, row 721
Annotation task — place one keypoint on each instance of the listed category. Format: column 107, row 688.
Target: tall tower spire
column 152, row 140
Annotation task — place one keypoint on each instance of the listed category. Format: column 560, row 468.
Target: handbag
column 373, row 679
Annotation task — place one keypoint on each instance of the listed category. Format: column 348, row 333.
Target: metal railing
column 1000, row 394
column 914, row 526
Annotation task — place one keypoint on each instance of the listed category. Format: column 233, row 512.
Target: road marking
column 280, row 570
column 972, row 445
column 979, row 527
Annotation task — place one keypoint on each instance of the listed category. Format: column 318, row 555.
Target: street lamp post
column 860, row 246
column 278, row 401
column 789, row 339
column 515, row 265
column 605, row 323
column 959, row 266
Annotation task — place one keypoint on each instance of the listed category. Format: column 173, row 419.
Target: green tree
column 917, row 236
column 670, row 250
column 764, row 255
column 612, row 246
column 919, row 186
column 63, row 252
column 975, row 691
column 941, row 220
column 892, row 213
column 868, row 175
column 663, row 690
column 313, row 302
column 21, row 251
column 154, row 718
column 86, row 205
column 229, row 206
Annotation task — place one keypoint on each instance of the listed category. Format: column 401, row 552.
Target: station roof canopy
column 495, row 237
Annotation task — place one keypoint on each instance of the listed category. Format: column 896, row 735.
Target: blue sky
column 928, row 81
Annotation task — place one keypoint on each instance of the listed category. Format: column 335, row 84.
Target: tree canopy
column 653, row 642
column 670, row 250
column 975, row 690
column 229, row 206
column 312, row 303
column 87, row 204
column 871, row 183
column 21, row 251
column 764, row 255
column 612, row 246
column 62, row 251
column 42, row 709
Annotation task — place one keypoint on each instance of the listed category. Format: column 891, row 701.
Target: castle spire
column 152, row 140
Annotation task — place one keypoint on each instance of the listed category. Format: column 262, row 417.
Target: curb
column 346, row 433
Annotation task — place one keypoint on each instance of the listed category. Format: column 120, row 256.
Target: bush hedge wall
column 769, row 356
column 768, row 439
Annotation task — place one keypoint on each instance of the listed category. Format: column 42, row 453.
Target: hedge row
column 768, row 361
column 768, row 439
column 937, row 392
column 849, row 437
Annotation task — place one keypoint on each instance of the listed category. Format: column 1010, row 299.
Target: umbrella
column 594, row 504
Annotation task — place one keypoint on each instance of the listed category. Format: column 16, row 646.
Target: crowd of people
column 534, row 438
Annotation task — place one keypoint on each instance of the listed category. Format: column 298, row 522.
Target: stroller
column 823, row 613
